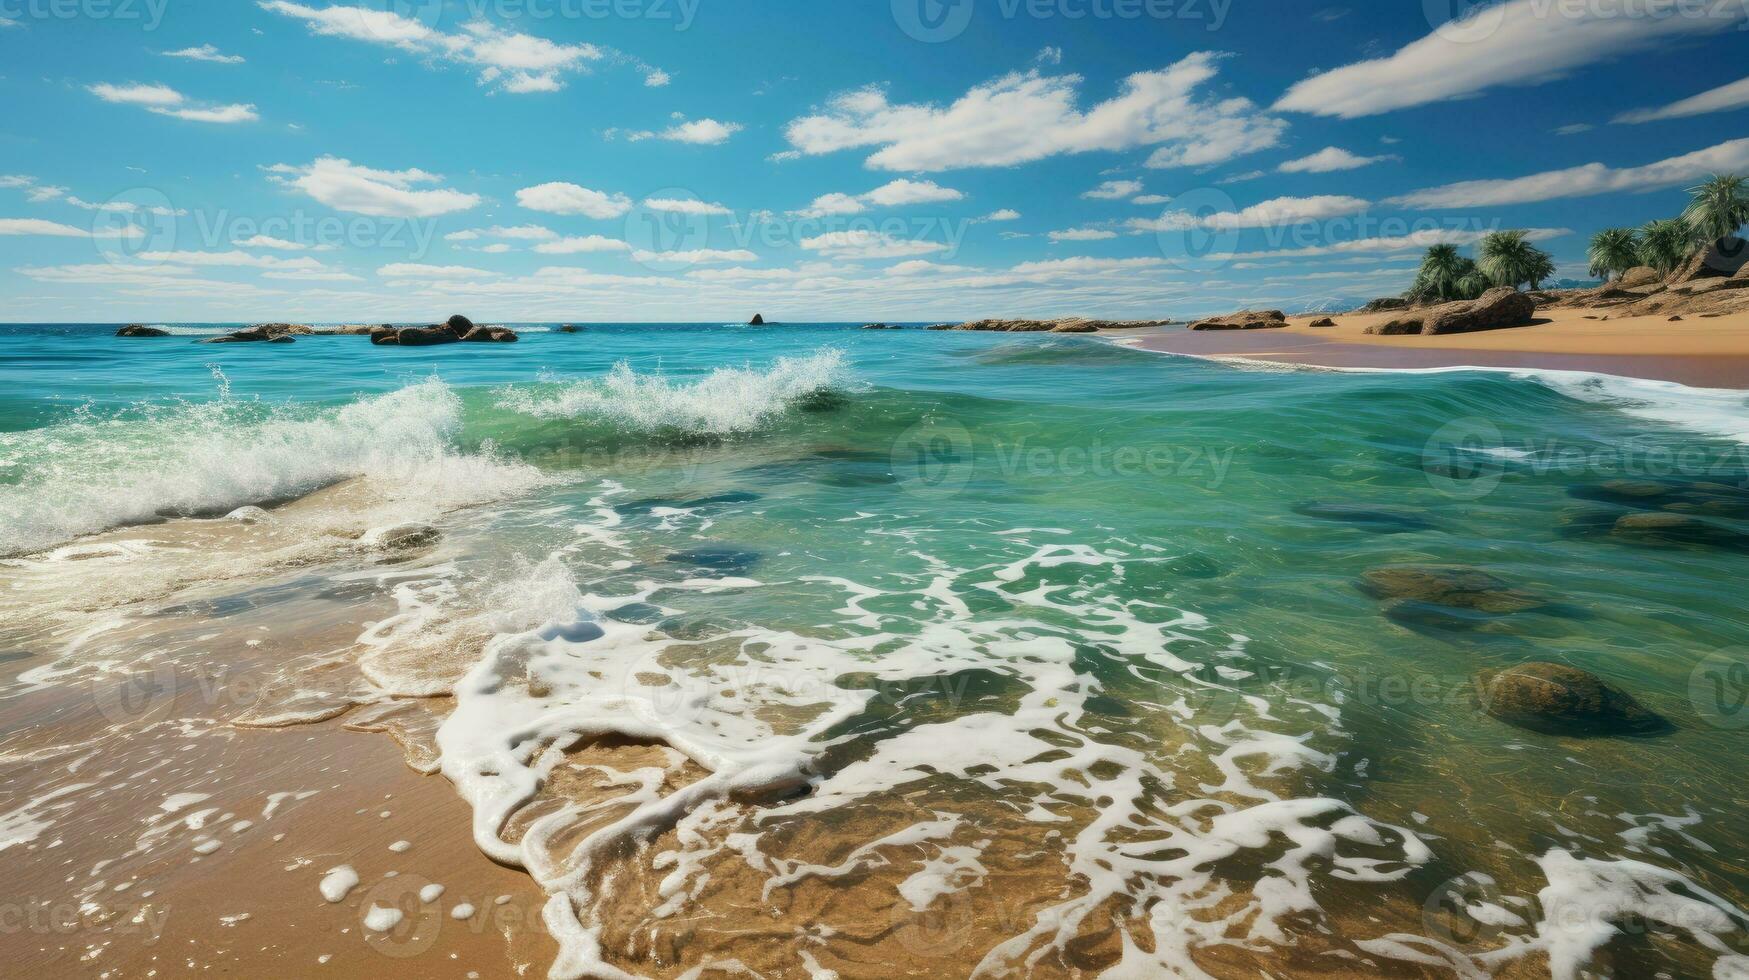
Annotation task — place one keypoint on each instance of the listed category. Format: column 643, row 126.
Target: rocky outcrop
column 1557, row 699
column 757, row 321
column 880, row 326
column 1244, row 320
column 1323, row 321
column 1720, row 260
column 1453, row 586
column 1496, row 309
column 569, row 328
column 138, row 330
column 251, row 335
column 458, row 329
column 1064, row 325
column 1638, row 277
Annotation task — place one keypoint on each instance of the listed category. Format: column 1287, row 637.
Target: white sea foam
column 560, row 672
column 726, row 401
column 90, row 473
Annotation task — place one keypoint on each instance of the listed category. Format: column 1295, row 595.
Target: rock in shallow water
column 1557, row 699
column 136, row 330
column 396, row 537
column 717, row 560
column 1452, row 586
column 1378, row 519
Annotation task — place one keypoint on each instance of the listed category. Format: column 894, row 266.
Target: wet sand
column 1707, row 353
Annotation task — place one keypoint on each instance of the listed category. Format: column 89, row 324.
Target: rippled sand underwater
column 822, row 653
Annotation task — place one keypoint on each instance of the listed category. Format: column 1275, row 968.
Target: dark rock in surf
column 1452, row 586
column 490, row 335
column 720, row 561
column 137, row 330
column 1556, row 699
column 459, row 325
column 426, row 336
column 1378, row 519
column 568, row 328
column 757, row 321
column 385, row 335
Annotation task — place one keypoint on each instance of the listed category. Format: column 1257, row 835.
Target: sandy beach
column 1710, row 352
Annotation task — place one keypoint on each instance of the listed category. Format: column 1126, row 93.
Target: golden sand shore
column 1710, row 352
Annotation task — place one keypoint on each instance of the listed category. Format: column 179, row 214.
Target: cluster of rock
column 1710, row 282
column 1244, row 320
column 1073, row 324
column 1496, row 309
column 1551, row 698
column 1661, row 514
column 880, row 326
column 458, row 329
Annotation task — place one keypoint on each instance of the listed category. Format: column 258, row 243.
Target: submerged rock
column 138, row 330
column 396, row 537
column 1666, row 528
column 717, row 560
column 1379, row 519
column 249, row 515
column 1452, row 586
column 1557, row 699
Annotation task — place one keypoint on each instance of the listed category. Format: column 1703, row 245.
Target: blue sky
column 648, row 160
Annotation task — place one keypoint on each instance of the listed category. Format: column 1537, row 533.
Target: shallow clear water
column 1062, row 631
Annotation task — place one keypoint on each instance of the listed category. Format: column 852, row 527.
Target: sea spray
column 724, row 402
column 94, row 471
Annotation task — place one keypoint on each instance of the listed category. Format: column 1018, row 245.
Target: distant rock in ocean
column 1073, row 324
column 458, row 329
column 137, row 330
column 757, row 321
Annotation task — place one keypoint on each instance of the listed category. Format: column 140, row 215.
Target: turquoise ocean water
column 1082, row 621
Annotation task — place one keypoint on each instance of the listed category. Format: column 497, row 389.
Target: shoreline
column 1698, row 353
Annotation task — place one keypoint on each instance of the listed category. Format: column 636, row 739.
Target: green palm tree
column 1508, row 258
column 1665, row 244
column 1613, row 252
column 1720, row 207
column 1438, row 276
column 1472, row 283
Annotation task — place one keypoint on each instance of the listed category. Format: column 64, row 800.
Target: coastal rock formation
column 1638, row 277
column 1556, row 699
column 757, row 321
column 1244, row 320
column 1497, row 309
column 458, row 329
column 137, row 330
column 1074, row 324
column 1720, row 260
column 568, row 328
column 880, row 326
column 1322, row 322
column 1454, row 586
column 251, row 335
column 397, row 537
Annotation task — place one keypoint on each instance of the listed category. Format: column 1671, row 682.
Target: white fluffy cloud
column 1152, row 199
column 38, row 226
column 344, row 186
column 682, row 205
column 699, row 132
column 1329, row 160
column 893, row 194
column 697, row 256
column 416, row 271
column 1114, row 190
column 1082, row 235
column 166, row 101
column 1582, row 181
column 233, row 258
column 1721, row 99
column 1083, row 264
column 206, row 52
column 1273, row 213
column 1023, row 117
column 864, row 244
column 268, row 241
column 585, row 243
column 1519, row 42
column 1003, row 214
column 509, row 61
column 1413, row 242
column 558, row 197
column 35, row 190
